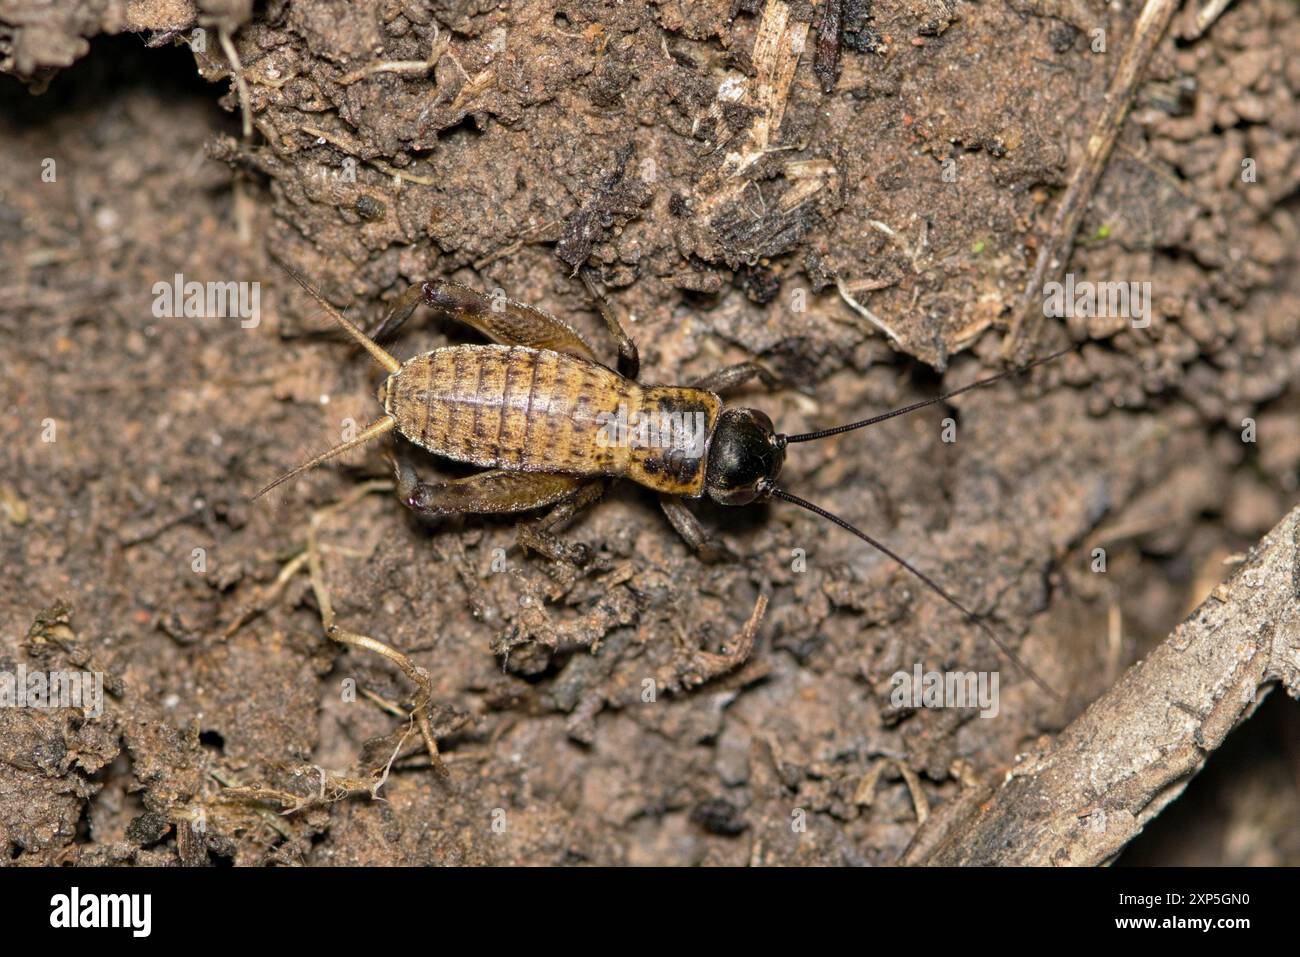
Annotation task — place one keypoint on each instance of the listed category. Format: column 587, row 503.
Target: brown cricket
column 549, row 424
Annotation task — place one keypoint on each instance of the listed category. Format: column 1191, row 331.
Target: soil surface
column 688, row 154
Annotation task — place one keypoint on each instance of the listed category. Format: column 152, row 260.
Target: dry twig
column 1083, row 798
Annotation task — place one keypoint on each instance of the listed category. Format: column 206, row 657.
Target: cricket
column 529, row 410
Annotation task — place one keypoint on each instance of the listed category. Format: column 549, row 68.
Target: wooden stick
column 1081, row 799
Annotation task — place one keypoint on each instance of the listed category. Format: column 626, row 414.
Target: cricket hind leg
column 387, row 327
column 511, row 323
column 493, row 492
column 709, row 549
column 501, row 320
column 499, row 492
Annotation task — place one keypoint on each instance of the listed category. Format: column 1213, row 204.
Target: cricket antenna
column 823, row 433
column 373, row 430
column 933, row 585
column 379, row 355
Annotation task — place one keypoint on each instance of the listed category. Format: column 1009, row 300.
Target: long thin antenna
column 823, row 433
column 934, row 586
column 380, row 356
column 373, row 430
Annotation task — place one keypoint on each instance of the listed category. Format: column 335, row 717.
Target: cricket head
column 745, row 457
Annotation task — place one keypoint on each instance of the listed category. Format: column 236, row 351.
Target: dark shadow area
column 115, row 65
column 1229, row 813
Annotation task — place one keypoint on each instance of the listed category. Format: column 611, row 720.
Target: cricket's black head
column 745, row 457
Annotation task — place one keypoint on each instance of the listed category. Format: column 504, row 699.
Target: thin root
column 863, row 311
column 1055, row 251
column 352, row 639
column 241, row 85
column 310, row 556
column 437, row 47
column 265, row 598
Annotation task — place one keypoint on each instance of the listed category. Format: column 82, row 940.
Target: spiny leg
column 732, row 377
column 500, row 319
column 629, row 359
column 499, row 492
column 510, row 322
column 401, row 311
column 709, row 549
